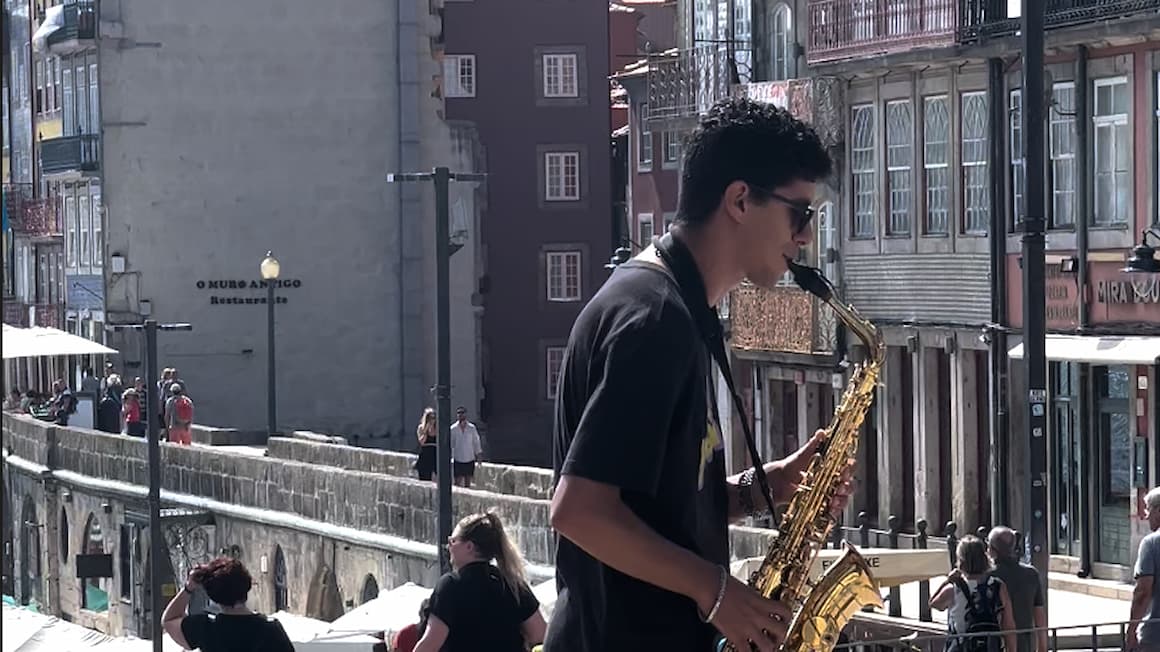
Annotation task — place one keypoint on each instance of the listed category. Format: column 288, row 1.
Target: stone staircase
column 1062, row 576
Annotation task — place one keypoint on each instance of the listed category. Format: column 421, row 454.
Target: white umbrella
column 41, row 341
column 390, row 612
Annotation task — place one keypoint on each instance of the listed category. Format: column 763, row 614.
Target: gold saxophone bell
column 843, row 590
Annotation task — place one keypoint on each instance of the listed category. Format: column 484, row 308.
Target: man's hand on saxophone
column 745, row 616
column 784, row 477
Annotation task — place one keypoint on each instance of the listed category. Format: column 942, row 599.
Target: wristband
column 745, row 494
column 720, row 596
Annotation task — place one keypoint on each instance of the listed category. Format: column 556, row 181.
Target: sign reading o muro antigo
column 241, row 287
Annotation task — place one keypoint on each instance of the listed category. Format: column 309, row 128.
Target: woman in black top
column 236, row 628
column 480, row 606
column 428, row 435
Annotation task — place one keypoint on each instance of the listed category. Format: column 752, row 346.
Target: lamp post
column 1143, row 260
column 157, row 547
column 270, row 269
column 442, row 177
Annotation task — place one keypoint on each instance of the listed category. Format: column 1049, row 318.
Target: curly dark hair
column 226, row 580
column 740, row 139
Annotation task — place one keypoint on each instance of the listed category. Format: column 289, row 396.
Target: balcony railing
column 80, row 24
column 49, row 315
column 783, row 319
column 843, row 29
column 70, row 154
column 990, row 18
column 16, row 313
column 685, row 83
column 30, row 216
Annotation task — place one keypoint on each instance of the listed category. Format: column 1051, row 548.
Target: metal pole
column 153, row 433
column 1034, row 319
column 443, row 355
column 997, row 345
column 271, row 386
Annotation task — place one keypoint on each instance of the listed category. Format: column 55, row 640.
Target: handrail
column 1091, row 636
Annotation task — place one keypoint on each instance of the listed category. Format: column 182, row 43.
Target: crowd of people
column 120, row 409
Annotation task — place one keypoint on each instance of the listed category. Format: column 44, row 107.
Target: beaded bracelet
column 720, row 596
column 745, row 495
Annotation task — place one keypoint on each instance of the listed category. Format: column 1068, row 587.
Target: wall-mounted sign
column 242, row 284
column 1146, row 290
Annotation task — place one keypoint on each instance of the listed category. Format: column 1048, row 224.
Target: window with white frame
column 459, row 75
column 1015, row 143
column 86, row 227
column 671, row 146
column 899, row 160
column 560, row 75
column 68, row 113
column 82, row 99
column 72, row 243
column 553, row 359
column 1061, row 144
column 1112, row 152
column 562, row 176
column 94, row 102
column 936, row 143
column 826, row 239
column 38, row 105
column 862, row 165
column 644, row 229
column 98, row 234
column 743, row 38
column 644, row 143
column 976, row 185
column 563, row 275
column 781, row 29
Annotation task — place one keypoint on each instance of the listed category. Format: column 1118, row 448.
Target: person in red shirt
column 407, row 638
column 131, row 423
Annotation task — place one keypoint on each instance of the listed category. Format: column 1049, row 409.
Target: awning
column 1101, row 349
column 41, row 341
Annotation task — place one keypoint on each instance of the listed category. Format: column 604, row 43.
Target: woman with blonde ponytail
column 478, row 605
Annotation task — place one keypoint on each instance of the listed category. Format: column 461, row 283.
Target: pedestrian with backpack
column 179, row 416
column 978, row 618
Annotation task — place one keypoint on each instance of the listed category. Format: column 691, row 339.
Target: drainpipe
column 997, row 352
column 1083, row 209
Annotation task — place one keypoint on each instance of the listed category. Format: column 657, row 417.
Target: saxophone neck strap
column 691, row 283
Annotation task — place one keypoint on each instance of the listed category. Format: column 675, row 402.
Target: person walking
column 1144, row 631
column 1023, row 586
column 466, row 448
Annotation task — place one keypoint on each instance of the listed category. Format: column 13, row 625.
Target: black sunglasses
column 801, row 212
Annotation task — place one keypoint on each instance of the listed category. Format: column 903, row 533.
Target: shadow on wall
column 324, row 601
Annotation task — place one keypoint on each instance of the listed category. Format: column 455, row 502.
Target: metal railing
column 1099, row 636
column 770, row 319
column 31, row 216
column 80, row 23
column 990, row 18
column 685, row 83
column 70, row 153
column 842, row 29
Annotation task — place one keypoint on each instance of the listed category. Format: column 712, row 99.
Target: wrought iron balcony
column 784, row 319
column 844, row 29
column 685, row 83
column 16, row 313
column 77, row 154
column 50, row 315
column 990, row 18
column 30, row 216
column 78, row 29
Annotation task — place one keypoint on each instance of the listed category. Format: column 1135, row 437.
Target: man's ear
column 735, row 198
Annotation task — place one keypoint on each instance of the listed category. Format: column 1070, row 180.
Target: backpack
column 982, row 618
column 182, row 411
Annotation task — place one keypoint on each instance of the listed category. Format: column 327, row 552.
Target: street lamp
column 270, row 269
column 1143, row 260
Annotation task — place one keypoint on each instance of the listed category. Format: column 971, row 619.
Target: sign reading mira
column 241, row 291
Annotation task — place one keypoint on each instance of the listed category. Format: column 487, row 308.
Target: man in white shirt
column 465, row 448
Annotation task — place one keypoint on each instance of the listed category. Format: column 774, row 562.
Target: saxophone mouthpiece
column 810, row 280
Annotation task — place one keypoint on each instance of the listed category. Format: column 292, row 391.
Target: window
column 459, row 75
column 563, row 276
column 742, row 36
column 644, row 229
column 554, row 359
column 94, row 103
column 936, row 163
column 281, row 590
column 671, row 146
column 1018, row 168
column 781, row 27
column 68, row 119
column 644, row 148
column 562, row 176
column 1112, row 152
column 83, row 126
column 976, row 186
column 560, row 75
column 86, row 229
column 825, row 240
column 98, row 235
column 63, row 534
column 864, row 171
column 899, row 158
column 73, row 243
column 93, row 595
column 38, row 99
column 1061, row 143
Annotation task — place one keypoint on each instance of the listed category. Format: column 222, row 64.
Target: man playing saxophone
column 642, row 502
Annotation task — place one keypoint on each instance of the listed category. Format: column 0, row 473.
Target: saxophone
column 822, row 608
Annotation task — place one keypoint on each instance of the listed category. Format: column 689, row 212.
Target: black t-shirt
column 235, row 633
column 634, row 411
column 481, row 611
